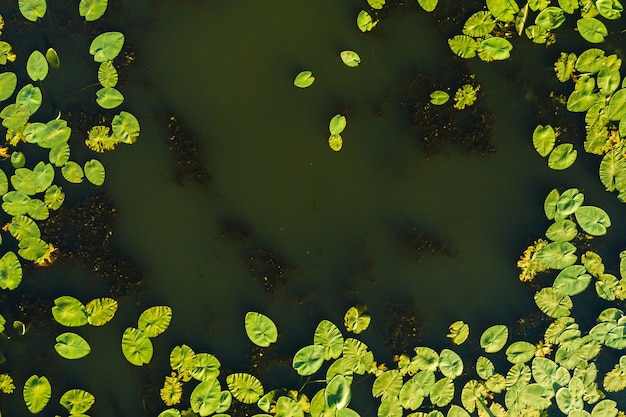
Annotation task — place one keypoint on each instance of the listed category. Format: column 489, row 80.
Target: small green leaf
column 439, row 97
column 71, row 346
column 304, row 79
column 260, row 329
column 37, row 66
column 350, row 58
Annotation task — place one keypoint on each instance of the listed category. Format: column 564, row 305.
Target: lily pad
column 428, row 5
column 106, row 46
column 387, row 384
column 562, row 157
column 557, row 255
column 337, row 124
column 572, row 280
column 463, row 45
column 494, row 338
column 72, row 172
column 8, row 82
column 32, row 9
column 136, row 347
column 125, row 127
column 450, row 363
column 109, row 97
column 260, row 329
column 554, row 302
column 107, row 74
column 356, row 319
column 154, row 320
column 92, row 9
column 593, row 220
column 205, row 398
column 245, row 387
column 442, row 392
column 335, row 142
column 337, row 394
column 350, row 58
column 329, row 336
column 37, row 66
column 69, row 312
column 544, row 138
column 592, row 29
column 37, row 392
column 304, row 79
column 459, row 331
column 439, row 97
column 10, row 271
column 308, row 359
column 520, row 352
column 77, row 401
column 364, row 21
column 71, row 346
column 563, row 230
column 100, row 311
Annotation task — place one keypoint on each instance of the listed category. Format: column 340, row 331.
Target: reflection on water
column 336, row 219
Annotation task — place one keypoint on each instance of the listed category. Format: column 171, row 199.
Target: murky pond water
column 335, row 222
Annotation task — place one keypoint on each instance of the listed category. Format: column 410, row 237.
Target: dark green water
column 227, row 68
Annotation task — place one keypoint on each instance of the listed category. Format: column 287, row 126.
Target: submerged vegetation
column 564, row 364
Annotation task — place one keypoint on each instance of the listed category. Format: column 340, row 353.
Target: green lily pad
column 356, row 320
column 503, row 10
column 459, row 332
column 109, row 97
column 554, row 302
column 77, row 401
column 557, row 255
column 10, row 271
column 387, row 384
column 308, row 359
column 612, row 170
column 69, row 312
column 337, row 394
column 37, row 392
column 412, row 395
column 71, row 346
column 494, row 338
column 107, row 74
column 260, row 329
column 37, row 66
column 593, row 220
column 562, row 157
column 484, row 367
column 206, row 366
column 72, row 172
column 439, row 97
column 154, row 320
column 136, row 347
column 617, row 105
column 479, row 24
column 329, row 336
column 287, row 407
column 245, row 387
column 572, row 280
column 495, row 49
column 205, row 398
column 536, row 396
column 544, row 138
column 337, row 124
column 53, row 58
column 428, row 5
column 100, row 311
column 563, row 230
column 22, row 227
column 94, row 171
column 390, row 407
column 591, row 29
column 450, row 363
column 463, row 45
column 92, row 9
column 32, row 9
column 29, row 96
column 426, row 359
column 15, row 203
column 442, row 392
column 335, row 142
column 106, row 46
column 364, row 21
column 520, row 352
column 8, row 82
column 304, row 79
column 550, row 18
column 54, row 197
column 125, row 127
column 350, row 58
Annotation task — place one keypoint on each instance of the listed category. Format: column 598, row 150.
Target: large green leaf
column 136, row 347
column 563, row 230
column 260, row 329
column 536, row 396
column 336, row 126
column 550, row 18
column 357, row 356
column 287, row 407
column 612, row 170
column 69, row 311
column 442, row 392
column 32, row 9
column 562, row 157
column 364, row 22
column 617, row 105
column 37, row 66
column 245, row 387
column 8, row 82
column 37, row 392
column 77, row 401
column 544, row 138
column 609, row 9
column 503, row 10
column 572, row 280
column 484, row 367
column 592, row 29
column 557, row 255
column 426, row 359
column 100, row 311
column 605, row 408
column 205, row 398
column 15, row 203
column 10, row 271
column 29, row 96
column 356, row 319
column 350, row 58
column 412, row 394
column 581, row 101
column 390, row 407
column 554, row 302
column 520, row 352
column 428, row 5
column 125, row 127
column 387, row 384
column 106, row 46
column 308, row 359
column 463, row 45
column 72, row 172
column 155, row 320
column 608, row 80
column 71, row 346
column 494, row 338
column 495, row 49
column 329, row 336
column 35, row 181
column 92, row 9
column 107, row 74
column 459, row 332
column 593, row 220
column 450, row 363
column 109, row 97
column 479, row 24
column 206, row 366
column 337, row 393
column 305, row 78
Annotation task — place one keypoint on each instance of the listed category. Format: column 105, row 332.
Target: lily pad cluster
column 136, row 344
column 38, row 391
column 560, row 157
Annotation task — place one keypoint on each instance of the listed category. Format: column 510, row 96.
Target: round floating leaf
column 72, row 172
column 581, row 101
column 550, row 18
column 494, row 338
column 29, row 96
column 459, row 331
column 286, row 407
column 337, row 124
column 8, row 82
column 71, row 346
column 593, row 220
column 32, row 9
column 609, row 9
column 544, row 138
column 59, row 155
column 450, row 364
column 69, row 312
column 479, row 24
column 329, row 336
column 376, row 4
column 439, row 97
column 358, row 358
column 100, row 311
column 562, row 231
column 205, row 398
column 183, row 359
column 245, row 387
column 617, row 105
column 520, row 352
column 37, row 392
column 38, row 210
column 572, row 280
column 426, row 359
column 612, row 170
column 591, row 29
column 536, row 396
column 356, row 320
column 554, row 302
column 136, row 347
column 463, row 45
column 503, row 10
column 308, row 359
column 155, row 320
column 495, row 49
column 484, row 368
column 387, row 384
column 54, row 197
column 107, row 74
column 260, row 329
column 412, row 395
column 92, row 9
column 562, row 157
column 304, row 79
column 390, row 407
column 350, row 58
column 15, row 116
column 335, row 142
column 337, row 393
column 10, row 271
column 106, row 46
column 365, row 22
column 37, row 66
column 608, row 80
column 428, row 5
column 442, row 392
column 22, row 227
column 206, row 366
column 109, row 97
column 77, row 401
column 126, row 127
column 53, row 58
column 605, row 408
column 557, row 255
